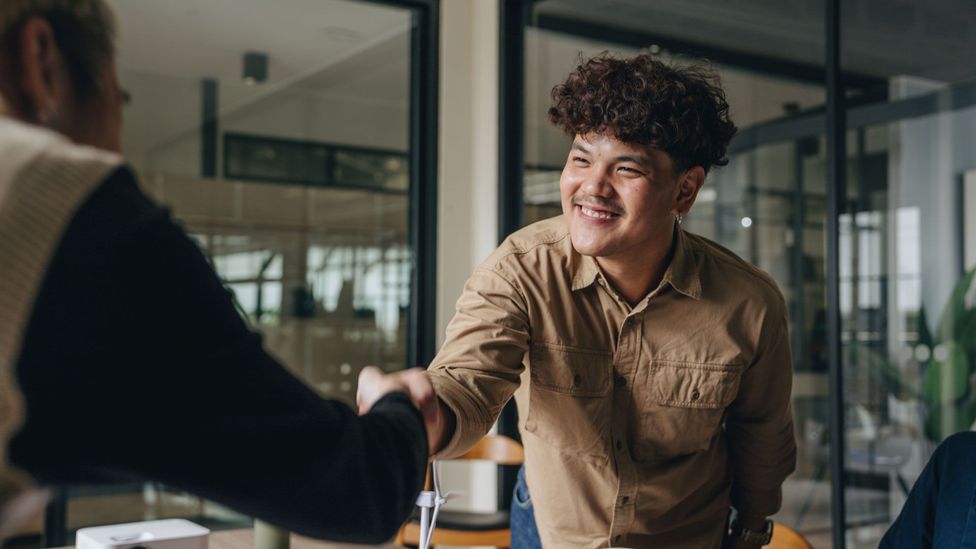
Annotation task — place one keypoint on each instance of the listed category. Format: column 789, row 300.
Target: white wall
column 467, row 175
column 927, row 158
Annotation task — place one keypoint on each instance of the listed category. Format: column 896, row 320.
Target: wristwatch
column 752, row 536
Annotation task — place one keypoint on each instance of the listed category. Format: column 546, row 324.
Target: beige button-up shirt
column 641, row 424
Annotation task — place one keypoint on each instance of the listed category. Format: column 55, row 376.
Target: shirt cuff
column 757, row 504
column 469, row 426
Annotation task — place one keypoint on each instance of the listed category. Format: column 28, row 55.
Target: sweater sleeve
column 136, row 365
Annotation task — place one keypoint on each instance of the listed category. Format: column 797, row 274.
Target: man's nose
column 597, row 183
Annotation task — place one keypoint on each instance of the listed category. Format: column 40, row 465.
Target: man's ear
column 40, row 83
column 689, row 183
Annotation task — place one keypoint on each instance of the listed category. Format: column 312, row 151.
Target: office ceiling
column 336, row 54
column 207, row 39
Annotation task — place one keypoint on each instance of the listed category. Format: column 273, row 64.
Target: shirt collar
column 584, row 269
column 682, row 274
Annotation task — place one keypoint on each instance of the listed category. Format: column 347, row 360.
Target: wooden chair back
column 785, row 537
column 498, row 449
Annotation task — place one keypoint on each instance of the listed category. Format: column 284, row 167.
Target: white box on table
column 153, row 534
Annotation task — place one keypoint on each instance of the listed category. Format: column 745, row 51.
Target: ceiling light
column 255, row 68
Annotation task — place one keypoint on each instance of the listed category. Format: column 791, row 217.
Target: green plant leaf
column 947, row 380
column 945, row 420
column 958, row 321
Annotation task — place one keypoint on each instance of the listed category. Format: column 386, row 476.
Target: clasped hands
column 438, row 419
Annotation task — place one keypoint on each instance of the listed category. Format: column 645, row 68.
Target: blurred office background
column 345, row 165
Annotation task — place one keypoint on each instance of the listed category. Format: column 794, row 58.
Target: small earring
column 679, row 218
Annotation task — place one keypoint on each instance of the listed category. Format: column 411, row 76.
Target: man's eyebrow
column 637, row 159
column 579, row 147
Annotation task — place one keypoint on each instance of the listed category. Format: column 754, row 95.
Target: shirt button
column 695, row 395
column 577, row 380
column 619, row 380
column 620, row 445
column 625, row 499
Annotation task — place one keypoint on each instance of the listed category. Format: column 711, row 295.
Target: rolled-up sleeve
column 762, row 448
column 479, row 367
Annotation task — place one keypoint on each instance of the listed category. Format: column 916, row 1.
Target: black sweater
column 136, row 365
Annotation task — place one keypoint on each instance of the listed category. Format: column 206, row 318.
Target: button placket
column 625, row 364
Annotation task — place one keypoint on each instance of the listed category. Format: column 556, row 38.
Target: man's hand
column 374, row 385
column 438, row 419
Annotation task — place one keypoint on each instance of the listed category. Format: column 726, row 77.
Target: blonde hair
column 83, row 29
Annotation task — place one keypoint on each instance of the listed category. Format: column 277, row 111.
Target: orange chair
column 468, row 528
column 785, row 537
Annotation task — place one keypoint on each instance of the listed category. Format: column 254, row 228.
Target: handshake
column 438, row 418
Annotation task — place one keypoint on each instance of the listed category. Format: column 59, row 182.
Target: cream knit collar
column 43, row 180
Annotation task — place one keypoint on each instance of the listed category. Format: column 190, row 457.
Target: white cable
column 428, row 500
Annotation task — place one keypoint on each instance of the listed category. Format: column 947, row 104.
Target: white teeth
column 595, row 214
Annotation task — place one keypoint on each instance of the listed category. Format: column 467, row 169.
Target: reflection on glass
column 371, row 169
column 906, row 264
column 261, row 159
column 908, row 317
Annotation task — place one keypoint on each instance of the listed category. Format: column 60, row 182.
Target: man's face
column 619, row 199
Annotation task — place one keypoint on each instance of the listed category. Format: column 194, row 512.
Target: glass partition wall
column 292, row 140
column 907, row 251
column 905, row 248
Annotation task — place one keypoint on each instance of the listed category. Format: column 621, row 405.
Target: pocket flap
column 688, row 385
column 578, row 372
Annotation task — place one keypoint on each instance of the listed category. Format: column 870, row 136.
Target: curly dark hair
column 680, row 110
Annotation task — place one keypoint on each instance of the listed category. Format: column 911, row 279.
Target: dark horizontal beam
column 813, row 122
column 783, row 68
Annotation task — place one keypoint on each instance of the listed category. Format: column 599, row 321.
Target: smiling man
column 651, row 367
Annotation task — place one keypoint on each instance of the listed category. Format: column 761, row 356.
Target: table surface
column 244, row 539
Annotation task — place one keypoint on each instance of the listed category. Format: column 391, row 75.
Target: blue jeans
column 525, row 534
column 941, row 509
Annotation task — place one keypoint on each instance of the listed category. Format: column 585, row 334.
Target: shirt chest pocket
column 683, row 407
column 569, row 398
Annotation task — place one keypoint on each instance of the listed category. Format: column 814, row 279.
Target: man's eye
column 579, row 159
column 630, row 171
